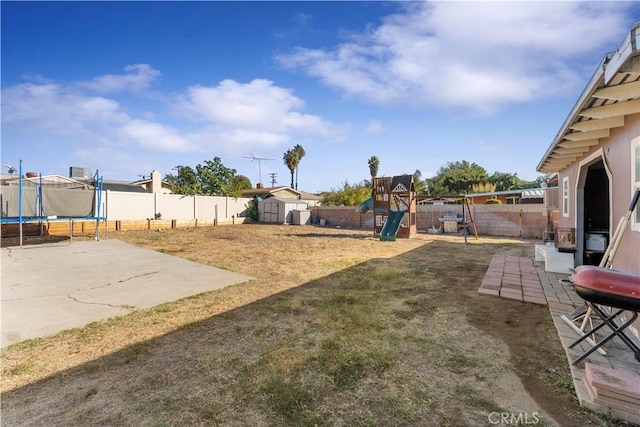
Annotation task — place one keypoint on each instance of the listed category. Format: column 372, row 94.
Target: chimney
column 156, row 182
column 259, row 185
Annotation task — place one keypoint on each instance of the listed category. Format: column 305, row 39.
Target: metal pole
column 40, row 206
column 98, row 201
column 20, row 204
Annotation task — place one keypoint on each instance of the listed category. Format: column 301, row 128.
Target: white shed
column 278, row 210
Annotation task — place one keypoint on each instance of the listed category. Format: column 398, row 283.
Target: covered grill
column 600, row 286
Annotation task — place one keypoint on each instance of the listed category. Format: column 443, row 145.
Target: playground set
column 45, row 203
column 394, row 207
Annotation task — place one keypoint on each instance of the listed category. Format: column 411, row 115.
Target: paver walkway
column 524, row 280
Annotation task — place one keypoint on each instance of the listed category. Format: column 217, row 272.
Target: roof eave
column 597, row 77
column 608, row 67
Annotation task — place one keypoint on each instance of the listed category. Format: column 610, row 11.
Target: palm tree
column 374, row 162
column 291, row 160
column 299, row 153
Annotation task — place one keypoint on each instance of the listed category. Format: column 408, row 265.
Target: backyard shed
column 277, row 210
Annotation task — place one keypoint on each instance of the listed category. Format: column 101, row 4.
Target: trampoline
column 40, row 201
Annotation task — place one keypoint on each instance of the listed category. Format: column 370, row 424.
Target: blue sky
column 127, row 88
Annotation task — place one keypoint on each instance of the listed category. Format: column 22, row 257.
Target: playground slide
column 392, row 225
column 366, row 206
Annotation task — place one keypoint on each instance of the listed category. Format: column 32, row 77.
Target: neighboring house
column 51, row 181
column 264, row 192
column 596, row 155
column 312, row 200
column 509, row 197
column 155, row 184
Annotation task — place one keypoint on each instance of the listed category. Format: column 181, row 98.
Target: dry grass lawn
column 337, row 328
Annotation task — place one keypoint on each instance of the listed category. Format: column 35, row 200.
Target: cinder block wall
column 528, row 221
column 343, row 216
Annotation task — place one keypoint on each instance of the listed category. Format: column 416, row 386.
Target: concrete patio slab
column 47, row 289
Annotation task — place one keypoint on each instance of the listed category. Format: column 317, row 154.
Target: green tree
column 418, row 184
column 456, row 178
column 185, row 182
column 216, row 179
column 291, row 160
column 506, row 181
column 348, row 195
column 299, row 153
column 209, row 179
column 240, row 182
column 374, row 164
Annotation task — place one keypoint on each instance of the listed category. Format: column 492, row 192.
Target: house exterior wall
column 285, row 193
column 616, row 151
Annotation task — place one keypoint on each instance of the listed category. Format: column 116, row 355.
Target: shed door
column 271, row 212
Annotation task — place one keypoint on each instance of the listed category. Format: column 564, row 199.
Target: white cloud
column 252, row 114
column 479, row 55
column 154, row 137
column 374, row 127
column 137, row 78
column 231, row 117
column 56, row 109
column 257, row 104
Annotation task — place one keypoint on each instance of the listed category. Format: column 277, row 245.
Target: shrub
column 493, row 202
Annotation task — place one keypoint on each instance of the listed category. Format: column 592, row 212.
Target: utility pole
column 273, row 178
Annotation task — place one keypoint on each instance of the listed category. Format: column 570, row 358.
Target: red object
column 608, row 287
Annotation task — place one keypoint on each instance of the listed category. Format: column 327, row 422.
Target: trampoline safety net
column 47, row 200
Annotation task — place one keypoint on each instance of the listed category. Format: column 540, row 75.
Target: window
column 635, row 178
column 565, row 196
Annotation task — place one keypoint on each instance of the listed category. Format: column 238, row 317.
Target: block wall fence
column 134, row 211
column 528, row 221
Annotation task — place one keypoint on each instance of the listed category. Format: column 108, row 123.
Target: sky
column 126, row 88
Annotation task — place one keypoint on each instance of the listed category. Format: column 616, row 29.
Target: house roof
column 402, row 184
column 309, row 196
column 123, row 186
column 284, row 200
column 50, row 180
column 141, row 182
column 268, row 190
column 612, row 93
column 525, row 193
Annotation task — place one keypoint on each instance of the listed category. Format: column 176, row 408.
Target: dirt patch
column 338, row 328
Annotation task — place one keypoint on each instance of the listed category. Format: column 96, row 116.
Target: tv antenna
column 260, row 160
column 10, row 169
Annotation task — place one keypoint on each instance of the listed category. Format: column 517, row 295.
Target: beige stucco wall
column 616, row 151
